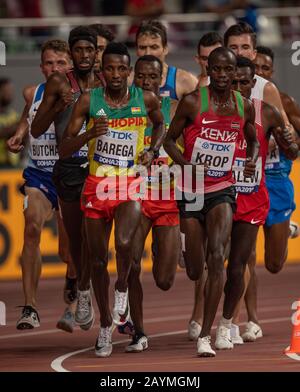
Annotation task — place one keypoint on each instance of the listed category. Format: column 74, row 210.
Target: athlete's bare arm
column 186, row 111
column 272, row 97
column 156, row 117
column 273, row 122
column 250, row 137
column 292, row 110
column 185, row 83
column 15, row 143
column 72, row 141
column 57, row 96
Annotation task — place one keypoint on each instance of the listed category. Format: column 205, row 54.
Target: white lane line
column 56, row 364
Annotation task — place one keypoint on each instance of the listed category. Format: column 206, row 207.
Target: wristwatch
column 155, row 152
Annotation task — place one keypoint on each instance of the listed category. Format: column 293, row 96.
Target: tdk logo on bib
column 119, row 135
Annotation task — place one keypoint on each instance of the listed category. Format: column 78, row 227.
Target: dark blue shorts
column 41, row 180
column 282, row 205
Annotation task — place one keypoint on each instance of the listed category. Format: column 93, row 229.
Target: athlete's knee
column 124, row 246
column 216, row 264
column 32, row 232
column 235, row 274
column 274, row 268
column 98, row 263
column 164, row 283
column 194, row 272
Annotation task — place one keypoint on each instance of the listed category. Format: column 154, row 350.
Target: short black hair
column 244, row 62
column 266, row 51
column 116, row 48
column 84, row 33
column 220, row 51
column 103, row 31
column 151, row 59
column 153, row 27
column 240, row 29
column 210, row 39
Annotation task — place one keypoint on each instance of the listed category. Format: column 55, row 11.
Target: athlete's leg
column 251, row 292
column 193, row 246
column 98, row 232
column 243, row 237
column 276, row 245
column 167, row 254
column 197, row 313
column 37, row 210
column 135, row 290
column 73, row 221
column 218, row 228
column 127, row 219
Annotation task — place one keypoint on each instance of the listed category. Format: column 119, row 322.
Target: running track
column 166, row 315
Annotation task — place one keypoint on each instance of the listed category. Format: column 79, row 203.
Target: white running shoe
column 294, row 230
column 84, row 314
column 194, row 330
column 235, row 334
column 252, row 332
column 204, row 347
column 223, row 340
column 139, row 343
column 29, row 318
column 120, row 312
column 103, row 346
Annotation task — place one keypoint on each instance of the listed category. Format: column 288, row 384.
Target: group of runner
column 102, row 138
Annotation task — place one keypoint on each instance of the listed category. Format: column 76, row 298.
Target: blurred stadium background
column 26, row 24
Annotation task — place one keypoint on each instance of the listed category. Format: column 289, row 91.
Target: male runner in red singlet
column 212, row 121
column 252, row 200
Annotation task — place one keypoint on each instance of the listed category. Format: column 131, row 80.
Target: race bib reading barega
column 116, row 148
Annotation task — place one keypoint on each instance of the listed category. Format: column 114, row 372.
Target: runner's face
column 202, row 58
column 101, row 45
column 264, row 66
column 151, row 44
column 222, row 71
column 53, row 61
column 147, row 76
column 242, row 45
column 116, row 71
column 83, row 55
column 243, row 81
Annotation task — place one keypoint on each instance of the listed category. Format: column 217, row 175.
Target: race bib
column 273, row 160
column 243, row 184
column 217, row 156
column 116, row 148
column 43, row 150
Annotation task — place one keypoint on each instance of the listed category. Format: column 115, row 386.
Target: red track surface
column 165, row 312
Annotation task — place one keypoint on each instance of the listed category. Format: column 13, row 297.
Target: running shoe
column 138, row 344
column 235, row 335
column 127, row 328
column 223, row 340
column 121, row 308
column 204, row 347
column 103, row 346
column 67, row 321
column 29, row 318
column 84, row 314
column 252, row 332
